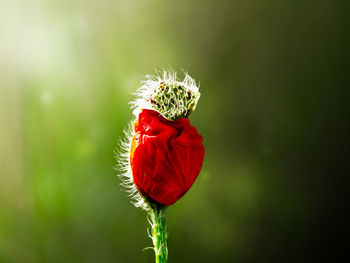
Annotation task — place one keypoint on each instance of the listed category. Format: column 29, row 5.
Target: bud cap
column 171, row 98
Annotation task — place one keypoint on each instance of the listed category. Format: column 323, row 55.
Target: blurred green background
column 272, row 113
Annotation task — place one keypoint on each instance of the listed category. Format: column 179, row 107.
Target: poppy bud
column 163, row 153
column 166, row 157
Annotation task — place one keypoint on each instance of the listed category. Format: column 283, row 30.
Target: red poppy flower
column 166, row 157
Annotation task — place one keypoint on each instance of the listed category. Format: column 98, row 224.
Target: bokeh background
column 272, row 114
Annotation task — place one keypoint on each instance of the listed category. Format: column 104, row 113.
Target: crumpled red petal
column 166, row 157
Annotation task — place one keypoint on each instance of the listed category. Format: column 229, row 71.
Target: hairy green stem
column 159, row 233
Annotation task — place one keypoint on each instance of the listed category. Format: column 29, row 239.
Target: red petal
column 166, row 157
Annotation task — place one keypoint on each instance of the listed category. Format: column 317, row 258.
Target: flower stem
column 159, row 233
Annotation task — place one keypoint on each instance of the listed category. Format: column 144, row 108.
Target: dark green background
column 272, row 114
